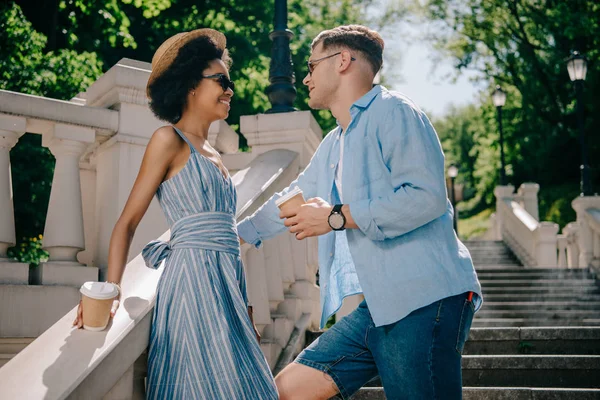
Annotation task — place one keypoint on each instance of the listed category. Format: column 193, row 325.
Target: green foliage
column 475, row 226
column 26, row 67
column 29, row 250
column 57, row 49
column 523, row 46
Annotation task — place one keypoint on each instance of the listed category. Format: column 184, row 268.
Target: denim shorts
column 418, row 357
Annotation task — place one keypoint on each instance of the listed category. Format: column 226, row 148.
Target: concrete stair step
column 548, row 290
column 554, row 340
column 538, row 314
column 533, row 322
column 562, row 275
column 499, row 393
column 14, row 345
column 491, row 298
column 500, row 258
column 492, row 244
column 540, row 282
column 567, row 371
column 541, row 305
column 4, row 358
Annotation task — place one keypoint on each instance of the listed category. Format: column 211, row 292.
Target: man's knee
column 299, row 382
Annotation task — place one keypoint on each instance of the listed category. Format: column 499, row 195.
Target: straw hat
column 167, row 52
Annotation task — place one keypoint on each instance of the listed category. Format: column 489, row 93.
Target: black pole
column 502, row 165
column 454, row 219
column 586, row 187
column 281, row 91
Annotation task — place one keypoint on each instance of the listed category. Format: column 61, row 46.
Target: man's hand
column 310, row 219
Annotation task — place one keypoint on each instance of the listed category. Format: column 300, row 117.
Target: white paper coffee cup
column 293, row 198
column 97, row 299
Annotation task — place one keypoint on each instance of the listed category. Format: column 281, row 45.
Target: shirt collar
column 364, row 101
column 368, row 98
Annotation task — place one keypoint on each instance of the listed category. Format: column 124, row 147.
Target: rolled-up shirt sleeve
column 265, row 222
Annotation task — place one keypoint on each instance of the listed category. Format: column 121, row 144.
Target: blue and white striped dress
column 202, row 344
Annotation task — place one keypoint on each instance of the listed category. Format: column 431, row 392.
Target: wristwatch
column 337, row 221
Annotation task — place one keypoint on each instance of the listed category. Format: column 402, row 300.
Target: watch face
column 336, row 221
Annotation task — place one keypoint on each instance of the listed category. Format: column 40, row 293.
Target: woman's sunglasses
column 223, row 80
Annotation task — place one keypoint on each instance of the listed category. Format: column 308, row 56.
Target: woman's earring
column 194, row 93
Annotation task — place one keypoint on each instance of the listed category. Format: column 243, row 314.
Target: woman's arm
column 159, row 155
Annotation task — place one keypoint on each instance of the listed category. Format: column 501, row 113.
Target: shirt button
column 332, row 166
column 330, row 254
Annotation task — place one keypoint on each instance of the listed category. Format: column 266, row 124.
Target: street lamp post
column 577, row 67
column 453, row 173
column 499, row 98
column 281, row 91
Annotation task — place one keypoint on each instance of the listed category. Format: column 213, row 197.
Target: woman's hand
column 79, row 318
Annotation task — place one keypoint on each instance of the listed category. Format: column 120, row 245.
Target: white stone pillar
column 298, row 132
column 502, row 193
column 529, row 194
column 11, row 128
column 571, row 231
column 7, row 217
column 585, row 234
column 63, row 232
column 546, row 245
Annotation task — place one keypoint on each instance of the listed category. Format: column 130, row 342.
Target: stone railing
column 516, row 223
column 98, row 141
column 586, row 233
column 568, row 246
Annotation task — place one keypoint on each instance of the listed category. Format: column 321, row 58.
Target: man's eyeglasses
column 312, row 64
column 223, row 80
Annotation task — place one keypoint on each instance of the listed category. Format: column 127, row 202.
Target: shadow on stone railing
column 76, row 364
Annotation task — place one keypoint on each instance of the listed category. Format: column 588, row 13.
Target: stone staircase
column 536, row 337
column 10, row 347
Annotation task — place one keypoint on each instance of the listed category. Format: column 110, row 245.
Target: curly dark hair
column 168, row 93
column 354, row 37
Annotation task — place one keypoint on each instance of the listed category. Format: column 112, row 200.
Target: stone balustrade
column 98, row 141
column 588, row 231
column 534, row 243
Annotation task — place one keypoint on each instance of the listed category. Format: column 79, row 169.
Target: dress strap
column 192, row 148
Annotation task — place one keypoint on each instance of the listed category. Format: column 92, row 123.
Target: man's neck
column 341, row 108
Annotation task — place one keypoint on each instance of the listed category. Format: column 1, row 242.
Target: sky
column 412, row 71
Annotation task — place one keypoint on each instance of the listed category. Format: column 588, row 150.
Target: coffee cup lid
column 288, row 196
column 99, row 290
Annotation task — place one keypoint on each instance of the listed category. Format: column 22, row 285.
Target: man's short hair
column 354, row 37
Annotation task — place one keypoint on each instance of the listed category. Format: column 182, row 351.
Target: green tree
column 26, row 67
column 522, row 45
column 58, row 48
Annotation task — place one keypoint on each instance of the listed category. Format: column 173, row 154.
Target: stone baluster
column 585, row 234
column 502, row 193
column 562, row 251
column 529, row 196
column 63, row 232
column 546, row 245
column 571, row 232
column 11, row 128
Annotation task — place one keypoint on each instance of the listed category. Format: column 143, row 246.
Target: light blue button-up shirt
column 405, row 254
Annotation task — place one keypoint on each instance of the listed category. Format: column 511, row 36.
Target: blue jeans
column 418, row 357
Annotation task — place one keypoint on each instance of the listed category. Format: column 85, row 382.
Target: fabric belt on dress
column 215, row 231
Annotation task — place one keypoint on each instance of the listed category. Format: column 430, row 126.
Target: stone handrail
column 68, row 363
column 534, row 243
